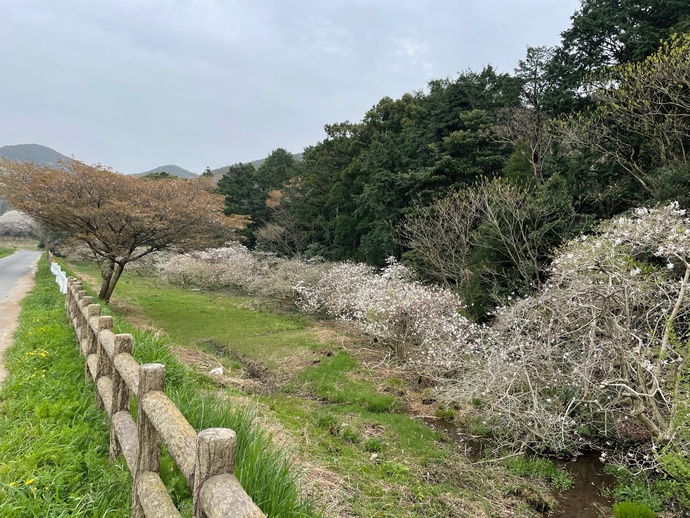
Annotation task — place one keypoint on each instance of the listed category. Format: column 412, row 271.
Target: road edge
column 10, row 309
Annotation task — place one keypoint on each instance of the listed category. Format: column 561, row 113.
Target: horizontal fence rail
column 60, row 277
column 206, row 459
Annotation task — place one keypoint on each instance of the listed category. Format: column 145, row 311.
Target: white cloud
column 135, row 84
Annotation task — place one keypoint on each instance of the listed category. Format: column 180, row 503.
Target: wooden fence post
column 215, row 455
column 123, row 344
column 102, row 366
column 151, row 377
column 76, row 286
column 69, row 296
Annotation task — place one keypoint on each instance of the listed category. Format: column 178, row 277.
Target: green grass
column 632, row 510
column 265, row 472
column 53, row 440
column 645, row 489
column 329, row 380
column 5, row 251
column 216, row 322
column 342, row 418
column 537, row 467
column 18, row 243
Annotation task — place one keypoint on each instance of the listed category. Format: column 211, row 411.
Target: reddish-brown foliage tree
column 120, row 218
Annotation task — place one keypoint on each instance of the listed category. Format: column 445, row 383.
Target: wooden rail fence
column 205, row 459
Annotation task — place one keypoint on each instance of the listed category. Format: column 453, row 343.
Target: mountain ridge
column 45, row 156
column 35, row 153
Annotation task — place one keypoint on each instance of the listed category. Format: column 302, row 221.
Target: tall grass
column 266, row 473
column 5, row 251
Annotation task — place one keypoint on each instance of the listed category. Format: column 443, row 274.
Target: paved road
column 15, row 280
column 13, row 268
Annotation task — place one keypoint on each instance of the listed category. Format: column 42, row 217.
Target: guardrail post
column 81, row 332
column 151, row 377
column 89, row 344
column 215, row 455
column 103, row 365
column 69, row 296
column 123, row 344
column 73, row 302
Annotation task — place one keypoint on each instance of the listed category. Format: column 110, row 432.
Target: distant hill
column 45, row 156
column 256, row 163
column 172, row 170
column 35, row 153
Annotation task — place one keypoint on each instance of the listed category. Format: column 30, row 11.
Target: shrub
column 234, row 266
column 412, row 319
column 632, row 510
column 598, row 353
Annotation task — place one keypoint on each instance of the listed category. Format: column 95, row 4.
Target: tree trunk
column 109, row 280
column 106, row 275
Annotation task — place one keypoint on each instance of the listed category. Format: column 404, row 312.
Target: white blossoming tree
column 601, row 351
column 17, row 224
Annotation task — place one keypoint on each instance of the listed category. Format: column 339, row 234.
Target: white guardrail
column 60, row 276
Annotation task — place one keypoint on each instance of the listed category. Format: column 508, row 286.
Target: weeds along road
column 16, row 278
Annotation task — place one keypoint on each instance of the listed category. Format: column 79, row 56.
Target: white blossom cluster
column 17, row 224
column 232, row 266
column 421, row 324
column 414, row 320
column 600, row 351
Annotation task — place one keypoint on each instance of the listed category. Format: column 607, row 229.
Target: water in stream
column 584, row 499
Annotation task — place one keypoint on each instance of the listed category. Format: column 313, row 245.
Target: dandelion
column 29, row 482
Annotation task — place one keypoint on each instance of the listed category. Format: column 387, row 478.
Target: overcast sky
column 196, row 83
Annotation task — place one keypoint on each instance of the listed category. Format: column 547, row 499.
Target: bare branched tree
column 440, row 237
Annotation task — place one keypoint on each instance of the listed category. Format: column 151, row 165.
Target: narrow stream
column 582, row 500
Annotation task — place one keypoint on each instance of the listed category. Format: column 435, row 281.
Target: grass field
column 8, row 245
column 53, row 440
column 345, row 414
column 19, row 243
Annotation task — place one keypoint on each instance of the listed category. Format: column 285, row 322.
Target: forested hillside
column 475, row 180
